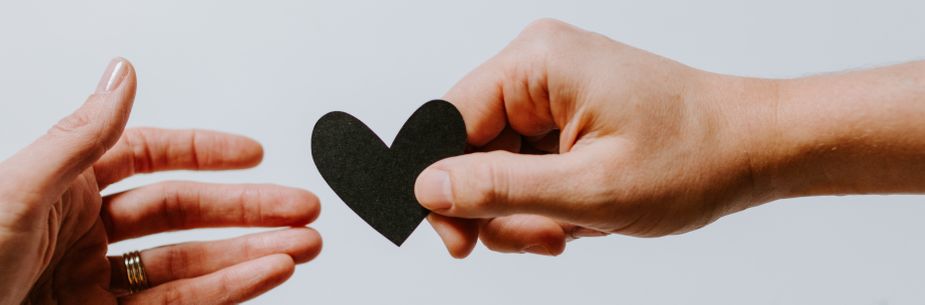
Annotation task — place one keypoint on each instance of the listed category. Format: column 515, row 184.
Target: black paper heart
column 376, row 181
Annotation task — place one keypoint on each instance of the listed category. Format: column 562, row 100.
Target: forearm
column 858, row 132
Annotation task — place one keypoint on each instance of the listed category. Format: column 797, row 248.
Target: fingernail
column 435, row 192
column 113, row 76
column 538, row 249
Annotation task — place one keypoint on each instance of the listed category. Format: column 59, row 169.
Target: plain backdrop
column 270, row 69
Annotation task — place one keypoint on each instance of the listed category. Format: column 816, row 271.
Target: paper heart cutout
column 377, row 181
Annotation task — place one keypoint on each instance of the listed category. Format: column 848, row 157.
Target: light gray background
column 269, row 69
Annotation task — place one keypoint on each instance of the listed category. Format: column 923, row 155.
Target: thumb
column 500, row 183
column 51, row 163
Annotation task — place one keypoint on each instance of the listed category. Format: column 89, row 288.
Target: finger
column 459, row 235
column 507, row 140
column 499, row 183
column 188, row 260
column 478, row 97
column 512, row 89
column 231, row 285
column 173, row 206
column 146, row 150
column 524, row 233
column 50, row 164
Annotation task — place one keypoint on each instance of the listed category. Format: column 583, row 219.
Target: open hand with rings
column 52, row 212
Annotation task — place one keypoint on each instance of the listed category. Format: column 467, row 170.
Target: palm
column 79, row 250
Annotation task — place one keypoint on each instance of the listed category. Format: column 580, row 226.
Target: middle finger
column 170, row 206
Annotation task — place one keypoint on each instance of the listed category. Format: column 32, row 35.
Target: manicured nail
column 113, row 76
column 538, row 249
column 434, row 190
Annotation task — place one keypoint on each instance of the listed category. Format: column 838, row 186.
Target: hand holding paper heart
column 584, row 136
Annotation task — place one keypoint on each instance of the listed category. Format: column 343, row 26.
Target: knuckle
column 137, row 142
column 80, row 131
column 531, row 52
column 225, row 288
column 71, row 123
column 199, row 158
column 545, row 27
column 482, row 189
column 172, row 295
column 177, row 262
column 248, row 215
column 545, row 36
column 172, row 207
column 250, row 248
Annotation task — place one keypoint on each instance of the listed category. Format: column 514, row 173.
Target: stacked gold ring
column 135, row 270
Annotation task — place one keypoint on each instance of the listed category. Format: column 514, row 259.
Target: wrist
column 751, row 107
column 742, row 116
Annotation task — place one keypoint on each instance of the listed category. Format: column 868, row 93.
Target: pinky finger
column 231, row 285
column 524, row 233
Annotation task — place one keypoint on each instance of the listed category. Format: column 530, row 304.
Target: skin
column 55, row 227
column 577, row 135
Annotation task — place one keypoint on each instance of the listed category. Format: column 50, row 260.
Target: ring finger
column 189, row 260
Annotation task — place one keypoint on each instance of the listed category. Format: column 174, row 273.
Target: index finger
column 146, row 150
column 478, row 97
column 512, row 88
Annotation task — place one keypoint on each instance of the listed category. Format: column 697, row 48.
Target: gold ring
column 135, row 270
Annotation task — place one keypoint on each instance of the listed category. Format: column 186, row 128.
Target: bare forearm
column 859, row 132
